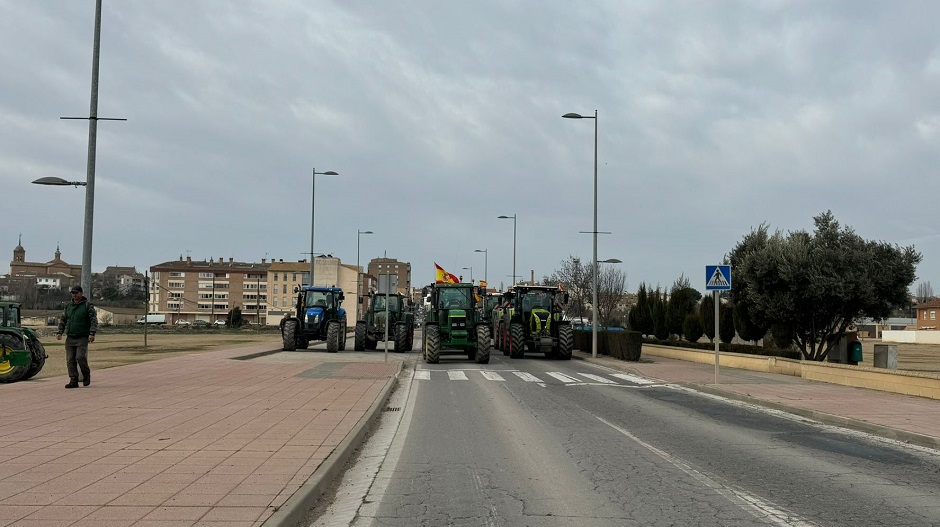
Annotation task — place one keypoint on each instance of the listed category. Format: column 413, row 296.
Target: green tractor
column 21, row 354
column 398, row 319
column 490, row 302
column 533, row 322
column 452, row 322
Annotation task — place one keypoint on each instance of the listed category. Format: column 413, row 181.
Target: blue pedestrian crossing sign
column 717, row 277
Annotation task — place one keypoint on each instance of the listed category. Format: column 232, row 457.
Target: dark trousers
column 76, row 356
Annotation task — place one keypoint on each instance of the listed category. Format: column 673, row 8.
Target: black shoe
column 87, row 380
column 73, row 384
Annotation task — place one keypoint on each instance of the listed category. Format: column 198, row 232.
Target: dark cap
column 76, row 289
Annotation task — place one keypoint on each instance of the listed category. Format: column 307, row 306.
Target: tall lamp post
column 513, row 218
column 89, row 182
column 471, row 272
column 359, row 272
column 486, row 257
column 594, row 232
column 313, row 203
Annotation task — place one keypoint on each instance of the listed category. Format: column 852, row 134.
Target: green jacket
column 79, row 319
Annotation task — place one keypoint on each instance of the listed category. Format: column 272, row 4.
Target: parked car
column 219, row 322
column 200, row 323
column 182, row 322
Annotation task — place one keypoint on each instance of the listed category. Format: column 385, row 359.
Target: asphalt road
column 543, row 443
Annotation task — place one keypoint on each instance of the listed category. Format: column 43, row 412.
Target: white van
column 152, row 319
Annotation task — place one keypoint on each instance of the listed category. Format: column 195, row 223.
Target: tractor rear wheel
column 401, row 338
column 360, row 343
column 289, row 335
column 38, row 358
column 565, row 342
column 432, row 344
column 8, row 372
column 411, row 338
column 516, row 341
column 332, row 336
column 483, row 345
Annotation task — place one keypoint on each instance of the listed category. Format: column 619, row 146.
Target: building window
column 933, row 315
column 173, row 306
column 285, row 276
column 275, row 277
column 177, row 275
column 206, row 275
column 177, row 285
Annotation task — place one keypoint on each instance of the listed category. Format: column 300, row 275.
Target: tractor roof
column 537, row 288
column 321, row 288
column 455, row 286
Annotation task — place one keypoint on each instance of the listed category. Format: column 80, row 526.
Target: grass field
column 117, row 349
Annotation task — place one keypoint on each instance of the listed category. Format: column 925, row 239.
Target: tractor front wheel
column 38, row 358
column 360, row 343
column 432, row 344
column 565, row 342
column 401, row 338
column 343, row 331
column 483, row 345
column 8, row 372
column 332, row 336
column 516, row 341
column 289, row 335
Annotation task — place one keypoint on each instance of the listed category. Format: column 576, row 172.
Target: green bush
column 743, row 349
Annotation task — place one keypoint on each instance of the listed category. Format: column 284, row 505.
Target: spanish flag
column 443, row 277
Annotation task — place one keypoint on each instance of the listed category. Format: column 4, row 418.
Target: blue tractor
column 318, row 316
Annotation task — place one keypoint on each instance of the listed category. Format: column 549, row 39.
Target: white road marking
column 423, row 375
column 528, row 377
column 597, row 378
column 758, row 507
column 457, row 375
column 492, row 376
column 632, row 378
column 562, row 377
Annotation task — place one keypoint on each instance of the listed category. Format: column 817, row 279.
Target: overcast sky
column 442, row 115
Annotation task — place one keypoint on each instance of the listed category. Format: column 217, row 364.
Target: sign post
column 717, row 278
column 387, row 284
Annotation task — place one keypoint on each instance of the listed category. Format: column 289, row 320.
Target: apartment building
column 329, row 271
column 192, row 290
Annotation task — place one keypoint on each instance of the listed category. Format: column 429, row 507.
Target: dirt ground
column 117, row 349
column 915, row 357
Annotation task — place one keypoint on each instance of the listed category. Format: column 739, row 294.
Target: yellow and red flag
column 443, row 277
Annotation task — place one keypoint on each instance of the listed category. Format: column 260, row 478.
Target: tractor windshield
column 455, row 298
column 537, row 299
column 394, row 303
column 318, row 298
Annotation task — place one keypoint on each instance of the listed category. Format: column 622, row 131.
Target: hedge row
column 623, row 345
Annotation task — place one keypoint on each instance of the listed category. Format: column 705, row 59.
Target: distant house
column 127, row 278
column 927, row 314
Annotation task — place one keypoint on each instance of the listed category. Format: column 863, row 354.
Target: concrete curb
column 296, row 507
column 823, row 417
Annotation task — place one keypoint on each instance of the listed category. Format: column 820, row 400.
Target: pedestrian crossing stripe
column 562, row 377
column 597, row 378
column 566, row 378
column 527, row 377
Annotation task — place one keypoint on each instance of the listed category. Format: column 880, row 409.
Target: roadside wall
column 911, row 337
column 922, row 384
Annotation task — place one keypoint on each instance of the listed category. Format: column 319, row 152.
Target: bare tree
column 924, row 292
column 575, row 277
column 611, row 286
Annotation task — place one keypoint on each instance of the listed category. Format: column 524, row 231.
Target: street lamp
column 486, row 257
column 594, row 323
column 513, row 218
column 313, row 203
column 89, row 182
column 359, row 271
column 471, row 272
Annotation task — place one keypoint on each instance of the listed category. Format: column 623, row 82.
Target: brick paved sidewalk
column 902, row 417
column 204, row 439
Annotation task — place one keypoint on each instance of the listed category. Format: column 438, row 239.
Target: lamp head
column 573, row 116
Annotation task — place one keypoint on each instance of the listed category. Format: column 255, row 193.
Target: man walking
column 79, row 322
